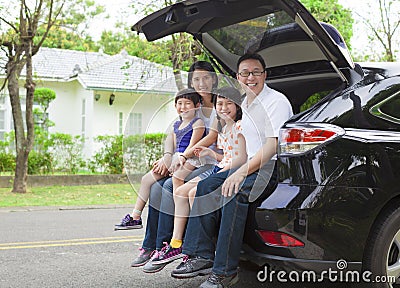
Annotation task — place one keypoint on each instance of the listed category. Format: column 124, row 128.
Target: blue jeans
column 160, row 217
column 151, row 235
column 217, row 223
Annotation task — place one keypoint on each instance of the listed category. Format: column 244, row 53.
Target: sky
column 119, row 10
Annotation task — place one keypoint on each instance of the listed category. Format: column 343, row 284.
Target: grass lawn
column 70, row 195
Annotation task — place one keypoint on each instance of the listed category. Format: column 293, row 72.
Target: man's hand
column 233, row 182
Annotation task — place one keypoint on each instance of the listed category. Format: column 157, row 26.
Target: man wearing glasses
column 215, row 229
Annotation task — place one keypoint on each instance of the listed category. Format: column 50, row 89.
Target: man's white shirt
column 263, row 118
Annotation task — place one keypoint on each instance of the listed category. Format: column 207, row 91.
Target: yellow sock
column 175, row 243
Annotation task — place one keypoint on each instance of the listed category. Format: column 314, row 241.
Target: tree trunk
column 21, row 161
column 20, row 50
column 178, row 79
column 21, row 172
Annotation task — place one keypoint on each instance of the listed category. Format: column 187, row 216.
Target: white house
column 99, row 94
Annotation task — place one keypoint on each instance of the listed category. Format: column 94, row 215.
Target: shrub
column 39, row 163
column 7, row 158
column 7, row 162
column 60, row 152
column 140, row 151
column 109, row 158
column 135, row 154
column 67, row 152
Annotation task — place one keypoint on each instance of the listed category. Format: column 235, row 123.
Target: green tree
column 161, row 52
column 71, row 30
column 21, row 42
column 330, row 11
column 183, row 49
column 43, row 96
column 63, row 39
column 20, row 48
column 112, row 43
column 383, row 20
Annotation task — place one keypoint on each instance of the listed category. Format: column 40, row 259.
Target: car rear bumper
column 289, row 264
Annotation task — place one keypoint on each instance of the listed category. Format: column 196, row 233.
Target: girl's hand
column 202, row 151
column 176, row 164
column 161, row 166
column 182, row 160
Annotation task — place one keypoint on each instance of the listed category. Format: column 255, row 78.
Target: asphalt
column 78, row 247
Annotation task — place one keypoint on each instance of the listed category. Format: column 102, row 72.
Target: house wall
column 153, row 107
column 66, row 110
column 75, row 111
column 101, row 118
column 155, row 110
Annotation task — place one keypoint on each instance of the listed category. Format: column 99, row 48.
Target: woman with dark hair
column 203, row 79
column 233, row 146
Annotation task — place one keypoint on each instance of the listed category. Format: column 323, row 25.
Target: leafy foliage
column 39, row 163
column 66, row 151
column 158, row 52
column 312, row 100
column 7, row 162
column 330, row 11
column 109, row 158
column 141, row 151
column 134, row 154
column 61, row 38
column 43, row 96
column 21, row 40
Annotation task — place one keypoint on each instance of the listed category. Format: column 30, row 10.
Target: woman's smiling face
column 202, row 81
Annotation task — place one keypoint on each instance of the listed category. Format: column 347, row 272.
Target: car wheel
column 382, row 256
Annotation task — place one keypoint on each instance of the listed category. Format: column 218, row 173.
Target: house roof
column 99, row 71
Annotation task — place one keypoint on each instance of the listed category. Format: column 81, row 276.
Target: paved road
column 78, row 248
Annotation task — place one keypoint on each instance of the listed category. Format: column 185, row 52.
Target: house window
column 134, row 125
column 121, row 123
column 83, row 130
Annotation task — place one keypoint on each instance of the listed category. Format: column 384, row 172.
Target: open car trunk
column 302, row 55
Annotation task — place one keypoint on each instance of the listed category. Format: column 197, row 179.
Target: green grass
column 70, row 195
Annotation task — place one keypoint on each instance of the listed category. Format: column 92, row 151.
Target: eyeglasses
column 254, row 73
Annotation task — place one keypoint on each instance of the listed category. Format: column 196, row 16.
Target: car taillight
column 300, row 138
column 279, row 239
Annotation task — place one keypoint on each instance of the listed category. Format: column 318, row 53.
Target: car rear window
column 250, row 35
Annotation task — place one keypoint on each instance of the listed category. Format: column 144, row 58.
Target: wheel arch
column 390, row 204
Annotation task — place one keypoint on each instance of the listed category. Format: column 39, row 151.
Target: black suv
column 335, row 203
